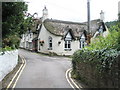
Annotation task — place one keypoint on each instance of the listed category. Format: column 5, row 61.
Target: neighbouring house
column 29, row 39
column 62, row 37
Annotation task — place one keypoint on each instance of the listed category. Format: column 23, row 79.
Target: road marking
column 68, row 72
column 20, row 73
column 14, row 76
column 72, row 80
column 68, row 79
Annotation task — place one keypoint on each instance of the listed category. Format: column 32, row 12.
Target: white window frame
column 82, row 42
column 68, row 46
column 68, row 40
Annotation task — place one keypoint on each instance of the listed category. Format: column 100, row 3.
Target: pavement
column 43, row 71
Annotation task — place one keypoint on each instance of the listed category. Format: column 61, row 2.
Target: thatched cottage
column 61, row 37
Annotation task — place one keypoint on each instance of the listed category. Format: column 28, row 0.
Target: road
column 43, row 71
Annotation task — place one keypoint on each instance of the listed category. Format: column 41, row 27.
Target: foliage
column 103, row 58
column 12, row 41
column 13, row 22
column 97, row 67
column 98, row 63
column 112, row 41
column 111, row 23
column 7, row 48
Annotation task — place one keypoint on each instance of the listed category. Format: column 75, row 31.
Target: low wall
column 7, row 62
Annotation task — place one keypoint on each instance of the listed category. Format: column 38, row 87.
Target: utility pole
column 119, row 11
column 88, row 15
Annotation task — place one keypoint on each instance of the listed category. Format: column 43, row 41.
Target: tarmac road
column 43, row 71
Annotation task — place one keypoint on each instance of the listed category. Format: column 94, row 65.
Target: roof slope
column 60, row 28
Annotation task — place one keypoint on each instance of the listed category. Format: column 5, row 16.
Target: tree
column 13, row 22
column 111, row 23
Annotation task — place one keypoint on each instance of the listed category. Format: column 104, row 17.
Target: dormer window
column 68, row 39
column 82, row 41
column 101, row 29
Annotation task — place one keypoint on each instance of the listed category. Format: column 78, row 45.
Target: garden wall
column 7, row 62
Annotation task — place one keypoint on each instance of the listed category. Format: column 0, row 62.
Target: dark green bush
column 98, row 64
column 98, row 68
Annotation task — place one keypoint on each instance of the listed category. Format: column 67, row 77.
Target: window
column 82, row 44
column 101, row 29
column 82, row 41
column 50, row 43
column 68, row 42
column 67, row 45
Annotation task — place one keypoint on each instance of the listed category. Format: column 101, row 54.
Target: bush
column 109, row 42
column 7, row 48
column 97, row 68
column 98, row 64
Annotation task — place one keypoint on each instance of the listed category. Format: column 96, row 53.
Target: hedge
column 98, row 68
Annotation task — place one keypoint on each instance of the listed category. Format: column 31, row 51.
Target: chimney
column 102, row 16
column 45, row 13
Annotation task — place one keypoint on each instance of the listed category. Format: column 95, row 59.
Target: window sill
column 67, row 49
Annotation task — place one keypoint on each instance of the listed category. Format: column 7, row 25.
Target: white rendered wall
column 7, row 62
column 57, row 48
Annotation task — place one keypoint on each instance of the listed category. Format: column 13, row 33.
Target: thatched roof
column 60, row 28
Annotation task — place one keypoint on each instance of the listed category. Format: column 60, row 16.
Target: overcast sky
column 75, row 10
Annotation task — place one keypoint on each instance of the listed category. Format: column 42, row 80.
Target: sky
column 75, row 10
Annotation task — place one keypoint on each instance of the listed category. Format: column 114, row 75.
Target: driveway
column 43, row 71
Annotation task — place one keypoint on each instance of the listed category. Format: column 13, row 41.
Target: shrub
column 109, row 42
column 98, row 64
column 98, row 68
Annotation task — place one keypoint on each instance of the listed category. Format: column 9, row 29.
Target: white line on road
column 14, row 76
column 68, row 79
column 72, row 80
column 68, row 72
column 19, row 73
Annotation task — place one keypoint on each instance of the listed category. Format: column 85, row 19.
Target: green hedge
column 97, row 68
column 97, row 65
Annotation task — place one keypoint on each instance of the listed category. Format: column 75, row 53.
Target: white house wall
column 26, row 41
column 59, row 49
